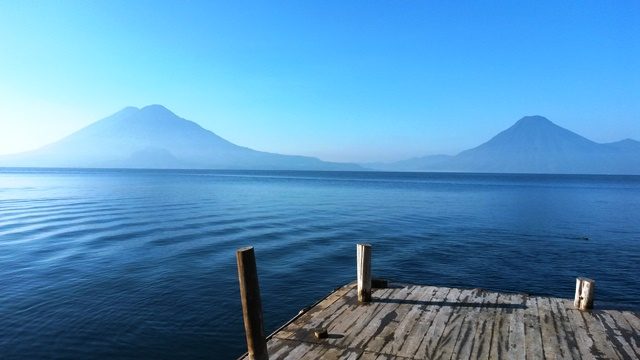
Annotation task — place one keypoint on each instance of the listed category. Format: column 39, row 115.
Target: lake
column 141, row 263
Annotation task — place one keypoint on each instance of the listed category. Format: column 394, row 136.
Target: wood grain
column 425, row 322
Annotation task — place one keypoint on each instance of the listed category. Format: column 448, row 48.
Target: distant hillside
column 533, row 145
column 154, row 137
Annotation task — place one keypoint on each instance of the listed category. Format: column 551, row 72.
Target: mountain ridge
column 155, row 137
column 534, row 144
column 137, row 137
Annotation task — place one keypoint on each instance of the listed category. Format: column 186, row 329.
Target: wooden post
column 584, row 293
column 251, row 305
column 364, row 272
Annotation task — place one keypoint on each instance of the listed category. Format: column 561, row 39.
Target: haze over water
column 136, row 263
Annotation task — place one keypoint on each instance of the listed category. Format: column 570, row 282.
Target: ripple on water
column 130, row 265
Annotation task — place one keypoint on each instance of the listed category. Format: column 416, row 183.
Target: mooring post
column 364, row 272
column 251, row 304
column 584, row 293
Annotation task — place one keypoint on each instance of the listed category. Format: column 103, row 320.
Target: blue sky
column 340, row 80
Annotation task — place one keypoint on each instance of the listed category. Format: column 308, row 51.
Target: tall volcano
column 535, row 145
column 154, row 137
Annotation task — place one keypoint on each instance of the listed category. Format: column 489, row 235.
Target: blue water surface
column 141, row 263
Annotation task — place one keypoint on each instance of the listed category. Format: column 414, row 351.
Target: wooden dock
column 426, row 322
column 372, row 320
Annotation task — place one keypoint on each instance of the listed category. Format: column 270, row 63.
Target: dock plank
column 378, row 319
column 468, row 328
column 549, row 330
column 619, row 333
column 445, row 346
column 415, row 336
column 484, row 327
column 442, row 313
column 356, row 317
column 532, row 330
column 392, row 343
column 516, row 329
column 602, row 342
column 499, row 338
column 566, row 334
column 587, row 344
column 388, row 321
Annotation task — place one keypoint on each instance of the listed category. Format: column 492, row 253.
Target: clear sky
column 340, row 80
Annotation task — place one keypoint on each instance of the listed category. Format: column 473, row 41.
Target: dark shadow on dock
column 449, row 303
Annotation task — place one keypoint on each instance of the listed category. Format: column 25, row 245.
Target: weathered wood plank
column 482, row 337
column 355, row 318
column 430, row 341
column 351, row 320
column 532, row 330
column 629, row 330
column 587, row 345
column 548, row 330
column 469, row 326
column 280, row 349
column 632, row 319
column 377, row 356
column 417, row 333
column 499, row 336
column 601, row 347
column 565, row 332
column 516, row 329
column 329, row 315
column 328, row 309
column 383, row 316
column 447, row 340
column 405, row 313
column 334, row 297
column 617, row 331
column 393, row 343
column 600, row 339
column 634, row 322
column 328, row 352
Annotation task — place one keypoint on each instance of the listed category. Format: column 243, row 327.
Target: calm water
column 141, row 264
